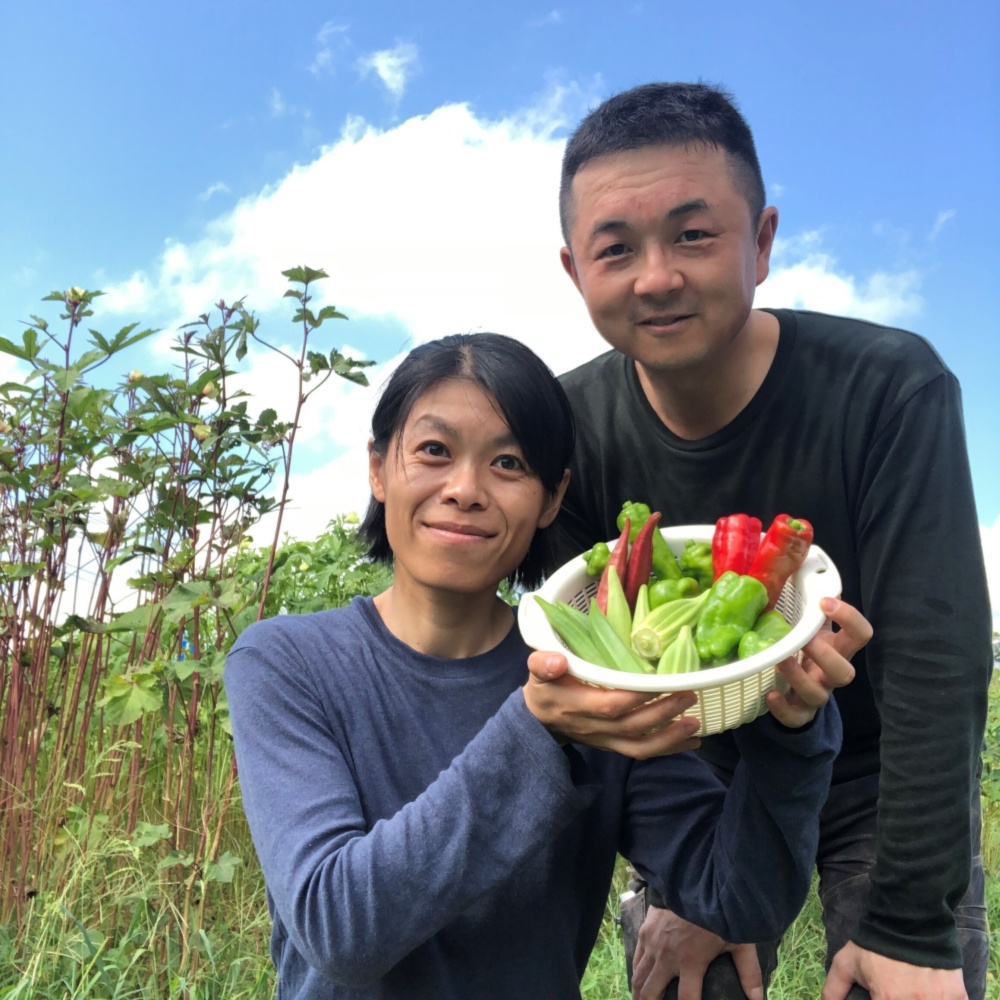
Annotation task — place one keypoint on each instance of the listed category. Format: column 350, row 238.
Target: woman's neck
column 448, row 625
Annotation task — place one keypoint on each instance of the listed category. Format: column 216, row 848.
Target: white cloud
column 804, row 276
column 327, row 38
column 777, row 189
column 217, row 188
column 394, row 67
column 943, row 218
column 991, row 550
column 552, row 17
column 276, row 103
column 447, row 222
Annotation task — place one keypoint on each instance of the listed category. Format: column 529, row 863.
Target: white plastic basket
column 728, row 696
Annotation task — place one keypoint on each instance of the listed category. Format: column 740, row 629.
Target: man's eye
column 615, row 250
column 692, row 235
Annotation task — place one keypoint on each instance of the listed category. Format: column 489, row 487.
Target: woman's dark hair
column 663, row 114
column 527, row 395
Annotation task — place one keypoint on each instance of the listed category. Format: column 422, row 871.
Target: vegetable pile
column 712, row 604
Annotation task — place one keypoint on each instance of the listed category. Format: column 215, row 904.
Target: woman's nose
column 464, row 486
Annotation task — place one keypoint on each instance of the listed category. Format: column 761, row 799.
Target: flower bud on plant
column 210, row 391
column 201, row 431
column 135, row 376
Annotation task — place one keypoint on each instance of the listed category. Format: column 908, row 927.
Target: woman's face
column 461, row 506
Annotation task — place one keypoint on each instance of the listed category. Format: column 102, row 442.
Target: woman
column 424, row 826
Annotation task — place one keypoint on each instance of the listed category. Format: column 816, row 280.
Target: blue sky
column 173, row 154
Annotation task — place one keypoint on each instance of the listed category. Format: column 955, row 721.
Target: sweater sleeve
column 356, row 900
column 924, row 590
column 736, row 862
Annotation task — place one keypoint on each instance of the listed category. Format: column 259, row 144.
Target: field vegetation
column 130, row 559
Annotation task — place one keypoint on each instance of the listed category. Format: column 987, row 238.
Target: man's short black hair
column 663, row 114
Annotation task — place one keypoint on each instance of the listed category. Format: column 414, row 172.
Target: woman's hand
column 637, row 724
column 825, row 665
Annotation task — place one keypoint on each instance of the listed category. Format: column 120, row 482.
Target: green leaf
column 221, row 870
column 317, row 362
column 147, row 834
column 129, row 698
column 7, row 347
column 329, row 312
column 304, row 275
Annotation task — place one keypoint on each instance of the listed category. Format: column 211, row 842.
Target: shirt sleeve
column 924, row 590
column 509, row 792
column 737, row 862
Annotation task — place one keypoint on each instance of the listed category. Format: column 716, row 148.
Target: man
column 707, row 407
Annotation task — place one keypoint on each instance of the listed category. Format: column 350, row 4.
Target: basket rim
column 817, row 578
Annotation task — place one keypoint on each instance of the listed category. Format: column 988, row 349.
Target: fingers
column 546, row 666
column 748, row 969
column 855, row 630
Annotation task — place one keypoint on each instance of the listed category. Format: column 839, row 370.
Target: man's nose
column 658, row 274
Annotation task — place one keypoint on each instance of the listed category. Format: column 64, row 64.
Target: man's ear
column 765, row 241
column 554, row 502
column 569, row 266
column 376, row 466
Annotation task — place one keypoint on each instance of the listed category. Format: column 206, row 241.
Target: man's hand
column 670, row 948
column 825, row 665
column 634, row 723
column 887, row 979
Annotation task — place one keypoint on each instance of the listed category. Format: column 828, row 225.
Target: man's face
column 664, row 253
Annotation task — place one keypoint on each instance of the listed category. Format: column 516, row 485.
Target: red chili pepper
column 735, row 543
column 618, row 559
column 640, row 561
column 782, row 551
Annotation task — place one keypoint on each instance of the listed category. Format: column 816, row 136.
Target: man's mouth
column 664, row 320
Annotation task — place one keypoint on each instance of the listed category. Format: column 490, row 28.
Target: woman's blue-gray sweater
column 423, row 836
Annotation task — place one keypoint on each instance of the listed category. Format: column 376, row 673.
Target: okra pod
column 652, row 635
column 681, row 656
column 618, row 612
column 617, row 654
column 573, row 628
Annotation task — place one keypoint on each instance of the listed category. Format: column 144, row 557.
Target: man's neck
column 697, row 402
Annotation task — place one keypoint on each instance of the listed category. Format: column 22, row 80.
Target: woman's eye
column 510, row 463
column 433, row 448
column 692, row 235
column 615, row 250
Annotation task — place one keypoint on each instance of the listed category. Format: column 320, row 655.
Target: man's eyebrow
column 617, row 225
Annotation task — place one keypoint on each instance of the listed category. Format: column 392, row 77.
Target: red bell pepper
column 782, row 551
column 618, row 559
column 640, row 560
column 735, row 543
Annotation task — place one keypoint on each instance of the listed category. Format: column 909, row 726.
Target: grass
column 110, row 932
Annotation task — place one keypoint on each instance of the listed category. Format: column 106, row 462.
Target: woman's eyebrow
column 443, row 427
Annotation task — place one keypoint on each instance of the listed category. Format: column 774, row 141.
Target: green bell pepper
column 732, row 608
column 665, row 565
column 767, row 630
column 696, row 562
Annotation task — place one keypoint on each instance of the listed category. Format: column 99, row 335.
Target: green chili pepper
column 597, row 558
column 767, row 630
column 733, row 604
column 664, row 591
column 665, row 565
column 696, row 562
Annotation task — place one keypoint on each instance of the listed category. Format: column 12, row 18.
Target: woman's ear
column 376, row 468
column 554, row 502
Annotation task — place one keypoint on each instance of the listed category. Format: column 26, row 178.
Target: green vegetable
column 733, row 604
column 652, row 635
column 681, row 656
column 641, row 603
column 573, row 627
column 615, row 653
column 664, row 562
column 597, row 558
column 696, row 562
column 618, row 611
column 671, row 590
column 767, row 630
